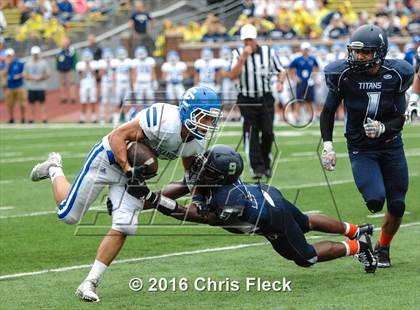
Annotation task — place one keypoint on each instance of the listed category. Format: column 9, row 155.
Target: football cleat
column 364, row 228
column 365, row 255
column 41, row 170
column 382, row 254
column 87, row 291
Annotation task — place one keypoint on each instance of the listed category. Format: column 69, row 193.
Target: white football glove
column 328, row 156
column 373, row 129
column 413, row 107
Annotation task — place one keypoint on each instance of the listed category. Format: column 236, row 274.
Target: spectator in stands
column 26, row 7
column 215, row 33
column 3, row 23
column 336, row 29
column 14, row 87
column 413, row 27
column 248, row 8
column 235, row 30
column 66, row 61
column 140, row 30
column 161, row 38
column 283, row 30
column 320, row 12
column 66, row 10
column 45, row 9
column 264, row 26
column 54, row 32
column 32, row 29
column 36, row 74
column 349, row 16
column 192, row 32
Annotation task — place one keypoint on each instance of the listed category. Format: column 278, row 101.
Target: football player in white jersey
column 394, row 52
column 174, row 73
column 87, row 91
column 106, row 72
column 171, row 131
column 123, row 84
column 228, row 90
column 144, row 76
column 206, row 69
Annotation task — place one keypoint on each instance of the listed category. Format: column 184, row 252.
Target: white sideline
column 146, row 258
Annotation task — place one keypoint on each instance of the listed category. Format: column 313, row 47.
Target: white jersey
column 174, row 71
column 144, row 69
column 88, row 74
column 107, row 78
column 122, row 69
column 162, row 127
column 207, row 71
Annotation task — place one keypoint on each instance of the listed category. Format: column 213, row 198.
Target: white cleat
column 41, row 170
column 87, row 291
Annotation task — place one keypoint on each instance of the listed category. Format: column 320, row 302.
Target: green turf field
column 33, row 240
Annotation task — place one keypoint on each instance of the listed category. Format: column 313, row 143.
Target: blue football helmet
column 172, row 56
column 196, row 104
column 87, row 54
column 225, row 52
column 206, row 54
column 141, row 52
column 108, row 54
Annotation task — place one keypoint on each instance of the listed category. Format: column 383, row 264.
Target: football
column 141, row 154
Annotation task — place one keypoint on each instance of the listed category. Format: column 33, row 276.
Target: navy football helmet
column 219, row 165
column 367, row 38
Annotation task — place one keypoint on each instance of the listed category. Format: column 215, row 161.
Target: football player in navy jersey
column 373, row 91
column 243, row 208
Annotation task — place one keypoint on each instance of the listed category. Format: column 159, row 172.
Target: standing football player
column 106, row 72
column 123, row 84
column 206, row 70
column 144, row 76
column 174, row 73
column 88, row 97
column 258, row 208
column 373, row 91
column 170, row 131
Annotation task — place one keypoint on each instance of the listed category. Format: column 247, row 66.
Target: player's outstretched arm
column 190, row 213
column 130, row 131
column 326, row 123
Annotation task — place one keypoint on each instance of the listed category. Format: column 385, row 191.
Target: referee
column 254, row 65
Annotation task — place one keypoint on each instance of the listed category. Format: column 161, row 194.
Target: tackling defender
column 262, row 209
column 169, row 130
column 373, row 90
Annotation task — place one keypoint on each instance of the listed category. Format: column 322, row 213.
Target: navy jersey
column 380, row 97
column 304, row 67
column 245, row 207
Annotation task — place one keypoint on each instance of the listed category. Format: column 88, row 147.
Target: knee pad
column 396, row 208
column 375, row 205
column 69, row 220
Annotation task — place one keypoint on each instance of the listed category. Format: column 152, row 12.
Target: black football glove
column 202, row 208
column 109, row 206
column 137, row 173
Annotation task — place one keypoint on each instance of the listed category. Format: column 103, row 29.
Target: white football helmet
column 206, row 54
column 121, row 53
column 141, row 52
column 87, row 54
column 172, row 57
column 225, row 53
column 107, row 54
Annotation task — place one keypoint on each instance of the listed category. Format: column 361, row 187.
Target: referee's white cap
column 248, row 31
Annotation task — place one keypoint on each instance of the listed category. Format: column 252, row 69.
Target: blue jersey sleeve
column 293, row 64
column 406, row 72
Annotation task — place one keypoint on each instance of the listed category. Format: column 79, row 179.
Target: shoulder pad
column 334, row 73
column 404, row 70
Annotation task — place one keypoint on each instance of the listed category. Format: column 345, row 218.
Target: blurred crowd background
column 66, row 27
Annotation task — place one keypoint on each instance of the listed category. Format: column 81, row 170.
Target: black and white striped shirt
column 256, row 73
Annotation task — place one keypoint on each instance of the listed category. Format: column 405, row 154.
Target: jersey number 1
column 373, row 104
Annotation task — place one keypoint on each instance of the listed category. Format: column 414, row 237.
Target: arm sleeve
column 326, row 121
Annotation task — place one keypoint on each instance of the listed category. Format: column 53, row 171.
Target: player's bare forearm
column 130, row 131
column 175, row 190
column 189, row 213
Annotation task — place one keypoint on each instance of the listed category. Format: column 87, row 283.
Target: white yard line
column 147, row 258
column 4, row 208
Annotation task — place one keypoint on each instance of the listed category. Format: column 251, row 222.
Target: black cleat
column 382, row 254
column 363, row 229
column 365, row 255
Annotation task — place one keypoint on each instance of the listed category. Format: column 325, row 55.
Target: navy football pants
column 381, row 174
